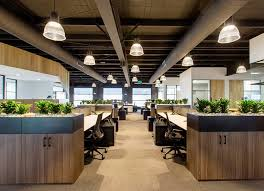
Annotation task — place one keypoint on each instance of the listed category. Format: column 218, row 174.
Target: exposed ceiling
column 159, row 24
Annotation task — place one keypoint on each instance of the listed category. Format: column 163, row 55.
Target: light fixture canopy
column 136, row 49
column 187, row 61
column 94, row 85
column 135, row 69
column 163, row 78
column 126, row 85
column 53, row 30
column 134, row 79
column 89, row 59
column 241, row 69
column 228, row 34
column 110, row 77
column 114, row 81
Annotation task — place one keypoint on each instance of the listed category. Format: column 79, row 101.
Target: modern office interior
column 131, row 95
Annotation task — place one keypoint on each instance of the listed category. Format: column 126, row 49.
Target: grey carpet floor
column 136, row 164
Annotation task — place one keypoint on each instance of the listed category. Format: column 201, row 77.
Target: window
column 81, row 94
column 140, row 95
column 173, row 92
column 161, row 92
column 1, row 87
column 200, row 90
column 11, row 89
column 58, row 91
column 113, row 93
column 252, row 91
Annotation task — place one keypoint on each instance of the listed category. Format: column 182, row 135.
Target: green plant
column 23, row 108
column 9, row 107
column 245, row 106
column 55, row 108
column 158, row 101
column 256, row 106
column 214, row 106
column 184, row 100
column 202, row 105
column 43, row 106
column 223, row 104
column 67, row 108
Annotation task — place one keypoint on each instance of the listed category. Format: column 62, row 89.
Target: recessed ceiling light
column 255, row 73
column 17, row 74
column 38, row 79
column 102, row 62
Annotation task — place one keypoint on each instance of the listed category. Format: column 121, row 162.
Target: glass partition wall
column 81, row 94
column 140, row 95
column 11, row 88
column 1, row 87
column 113, row 94
column 252, row 90
column 200, row 90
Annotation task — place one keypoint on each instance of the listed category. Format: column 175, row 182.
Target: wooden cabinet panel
column 256, row 155
column 217, row 89
column 33, row 152
column 234, row 155
column 10, row 153
column 211, row 156
column 59, row 159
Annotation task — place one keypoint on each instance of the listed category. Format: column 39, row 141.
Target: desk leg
column 116, row 122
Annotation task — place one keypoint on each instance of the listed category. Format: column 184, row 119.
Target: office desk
column 176, row 119
column 90, row 120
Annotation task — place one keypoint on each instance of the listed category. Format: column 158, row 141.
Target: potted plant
column 43, row 107
column 245, row 106
column 223, row 104
column 214, row 106
column 9, row 107
column 55, row 108
column 23, row 108
column 67, row 108
column 184, row 100
column 202, row 105
column 256, row 106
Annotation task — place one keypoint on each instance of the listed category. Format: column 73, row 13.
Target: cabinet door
column 10, row 159
column 33, row 152
column 235, row 155
column 211, row 156
column 58, row 160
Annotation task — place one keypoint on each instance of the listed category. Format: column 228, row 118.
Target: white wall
column 186, row 85
column 34, row 89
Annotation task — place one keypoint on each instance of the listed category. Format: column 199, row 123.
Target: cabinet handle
column 44, row 141
column 225, row 140
column 49, row 142
column 220, row 139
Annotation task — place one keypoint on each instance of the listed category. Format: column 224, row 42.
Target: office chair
column 96, row 134
column 175, row 136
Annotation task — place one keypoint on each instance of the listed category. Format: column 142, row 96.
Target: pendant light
column 134, row 79
column 157, row 85
column 89, row 59
column 126, row 85
column 228, row 34
column 110, row 77
column 157, row 82
column 114, row 81
column 135, row 69
column 241, row 69
column 163, row 78
column 136, row 49
column 53, row 30
column 187, row 61
column 93, row 85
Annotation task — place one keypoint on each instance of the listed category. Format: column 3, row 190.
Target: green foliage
column 43, row 106
column 9, row 107
column 223, row 104
column 184, row 100
column 214, row 106
column 55, row 108
column 245, row 106
column 202, row 105
column 158, row 101
column 23, row 108
column 67, row 108
column 256, row 106
column 171, row 101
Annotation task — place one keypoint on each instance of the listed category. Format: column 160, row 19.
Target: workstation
column 131, row 95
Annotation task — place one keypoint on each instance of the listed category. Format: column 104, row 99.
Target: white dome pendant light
column 228, row 34
column 93, row 85
column 114, row 81
column 157, row 82
column 135, row 69
column 163, row 78
column 53, row 30
column 110, row 77
column 126, row 85
column 89, row 59
column 241, row 69
column 136, row 49
column 134, row 79
column 187, row 61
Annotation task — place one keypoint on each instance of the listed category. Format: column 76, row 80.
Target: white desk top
column 178, row 120
column 90, row 120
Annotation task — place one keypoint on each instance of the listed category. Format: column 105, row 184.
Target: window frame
column 209, row 89
column 6, row 79
column 176, row 96
column 3, row 85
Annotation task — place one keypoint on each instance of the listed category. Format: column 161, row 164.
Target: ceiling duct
column 15, row 26
column 215, row 14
